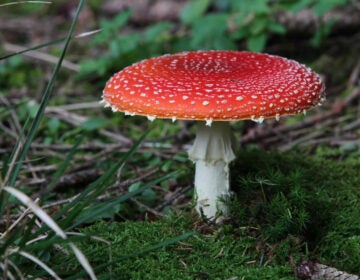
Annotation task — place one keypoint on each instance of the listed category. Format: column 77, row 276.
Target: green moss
column 203, row 256
column 286, row 208
column 315, row 199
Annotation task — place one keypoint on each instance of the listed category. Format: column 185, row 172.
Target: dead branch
column 308, row 270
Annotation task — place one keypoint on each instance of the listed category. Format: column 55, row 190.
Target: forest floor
column 296, row 180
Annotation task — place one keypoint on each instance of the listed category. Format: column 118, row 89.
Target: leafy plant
column 126, row 48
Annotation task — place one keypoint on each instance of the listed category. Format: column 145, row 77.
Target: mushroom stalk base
column 212, row 188
column 212, row 152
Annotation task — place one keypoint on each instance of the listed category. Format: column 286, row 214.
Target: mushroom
column 215, row 87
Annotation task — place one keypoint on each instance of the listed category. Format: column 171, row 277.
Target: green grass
column 287, row 208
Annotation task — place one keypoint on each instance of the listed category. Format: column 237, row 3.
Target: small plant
column 125, row 49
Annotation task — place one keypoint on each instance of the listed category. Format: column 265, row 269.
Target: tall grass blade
column 25, row 2
column 65, row 163
column 38, row 211
column 44, row 101
column 33, row 48
column 83, row 260
column 159, row 245
column 97, row 187
column 44, row 217
column 17, row 270
column 109, row 204
column 40, row 263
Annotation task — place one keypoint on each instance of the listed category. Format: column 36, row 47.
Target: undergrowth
column 287, row 208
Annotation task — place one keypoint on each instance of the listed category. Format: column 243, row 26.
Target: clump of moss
column 286, row 208
column 312, row 198
column 213, row 255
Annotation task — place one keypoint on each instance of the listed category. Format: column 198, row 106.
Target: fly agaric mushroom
column 215, row 87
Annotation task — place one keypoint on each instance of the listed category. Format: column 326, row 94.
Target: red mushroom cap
column 214, row 85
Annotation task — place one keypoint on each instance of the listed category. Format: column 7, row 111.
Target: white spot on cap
column 239, row 98
column 185, row 97
column 127, row 113
column 151, row 118
column 205, row 103
column 209, row 122
column 258, row 120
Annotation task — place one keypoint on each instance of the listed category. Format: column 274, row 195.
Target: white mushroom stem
column 212, row 152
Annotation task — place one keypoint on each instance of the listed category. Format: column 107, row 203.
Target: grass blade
column 97, row 187
column 43, row 216
column 36, row 209
column 40, row 263
column 83, row 260
column 109, row 204
column 159, row 245
column 45, row 99
column 33, row 48
column 64, row 165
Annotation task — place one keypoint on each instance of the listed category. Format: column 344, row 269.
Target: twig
column 40, row 56
column 308, row 270
column 174, row 196
column 255, row 135
column 78, row 120
column 147, row 208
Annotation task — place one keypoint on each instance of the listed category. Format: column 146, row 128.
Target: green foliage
column 254, row 23
column 14, row 73
column 125, row 49
column 194, row 10
column 210, row 32
column 204, row 24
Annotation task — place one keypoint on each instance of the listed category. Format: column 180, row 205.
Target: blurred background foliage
column 203, row 24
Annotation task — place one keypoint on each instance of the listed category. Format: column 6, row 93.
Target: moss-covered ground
column 287, row 208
